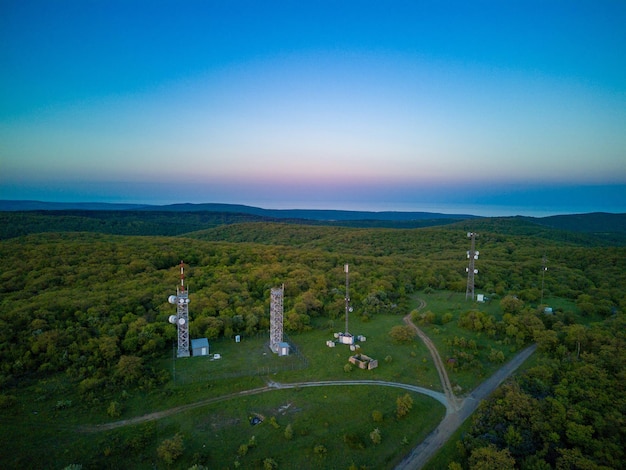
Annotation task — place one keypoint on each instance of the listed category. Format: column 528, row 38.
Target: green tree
column 171, row 449
column 114, row 410
column 404, row 404
column 129, row 369
column 270, row 464
column 402, row 334
column 511, row 304
column 490, row 458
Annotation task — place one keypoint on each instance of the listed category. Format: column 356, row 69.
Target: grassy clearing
column 339, row 418
column 213, row 434
column 407, row 363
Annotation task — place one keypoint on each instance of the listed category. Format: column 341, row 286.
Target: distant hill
column 6, row 205
column 595, row 222
column 303, row 214
column 19, row 218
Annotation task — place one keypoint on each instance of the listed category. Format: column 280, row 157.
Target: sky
column 483, row 107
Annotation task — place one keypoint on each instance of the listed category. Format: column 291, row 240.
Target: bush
column 270, row 464
column 320, row 450
column 376, row 436
column 114, row 410
column 288, row 432
column 402, row 334
column 403, row 405
column 171, row 449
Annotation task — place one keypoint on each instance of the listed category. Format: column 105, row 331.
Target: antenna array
column 181, row 319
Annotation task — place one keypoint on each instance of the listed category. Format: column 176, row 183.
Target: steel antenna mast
column 472, row 255
column 181, row 319
column 544, row 268
column 345, row 268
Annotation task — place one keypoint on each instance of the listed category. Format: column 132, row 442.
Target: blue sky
column 490, row 107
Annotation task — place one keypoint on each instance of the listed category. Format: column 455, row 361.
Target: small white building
column 200, row 347
column 283, row 349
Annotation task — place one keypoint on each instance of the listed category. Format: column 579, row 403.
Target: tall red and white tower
column 181, row 319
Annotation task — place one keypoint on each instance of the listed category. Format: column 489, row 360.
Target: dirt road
column 453, row 401
column 423, row 452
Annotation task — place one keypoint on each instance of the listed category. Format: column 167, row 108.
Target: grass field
column 339, row 418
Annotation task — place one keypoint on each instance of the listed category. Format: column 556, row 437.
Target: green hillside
column 85, row 337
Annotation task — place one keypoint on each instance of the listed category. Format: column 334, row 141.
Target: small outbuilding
column 200, row 347
column 283, row 349
column 363, row 361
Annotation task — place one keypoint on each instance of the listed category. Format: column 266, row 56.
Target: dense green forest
column 567, row 412
column 92, row 307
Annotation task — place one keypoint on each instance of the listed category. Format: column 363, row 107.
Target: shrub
column 171, row 449
column 376, row 436
column 320, row 450
column 7, row 401
column 273, row 422
column 288, row 432
column 402, row 334
column 270, row 464
column 114, row 410
column 404, row 404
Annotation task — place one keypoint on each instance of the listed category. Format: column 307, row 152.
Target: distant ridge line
column 310, row 214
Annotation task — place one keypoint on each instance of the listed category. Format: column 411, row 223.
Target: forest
column 90, row 306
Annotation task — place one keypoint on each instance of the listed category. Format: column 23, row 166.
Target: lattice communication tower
column 276, row 317
column 472, row 255
column 346, row 270
column 181, row 319
column 544, row 268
